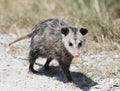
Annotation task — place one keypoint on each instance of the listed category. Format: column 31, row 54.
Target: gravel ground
column 14, row 71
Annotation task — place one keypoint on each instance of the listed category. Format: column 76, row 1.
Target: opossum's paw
column 32, row 71
column 70, row 84
column 70, row 81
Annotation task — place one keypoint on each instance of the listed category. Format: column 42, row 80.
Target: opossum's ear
column 65, row 31
column 83, row 31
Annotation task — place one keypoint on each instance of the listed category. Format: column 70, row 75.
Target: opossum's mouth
column 76, row 56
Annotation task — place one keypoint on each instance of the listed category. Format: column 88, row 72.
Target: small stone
column 115, row 89
column 116, row 56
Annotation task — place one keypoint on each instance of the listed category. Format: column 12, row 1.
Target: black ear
column 65, row 31
column 83, row 31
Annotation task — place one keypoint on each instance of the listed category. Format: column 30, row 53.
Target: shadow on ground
column 80, row 79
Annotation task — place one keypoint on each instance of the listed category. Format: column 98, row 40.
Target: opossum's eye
column 70, row 44
column 80, row 44
column 83, row 31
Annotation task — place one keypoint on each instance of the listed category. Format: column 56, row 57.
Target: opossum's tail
column 21, row 38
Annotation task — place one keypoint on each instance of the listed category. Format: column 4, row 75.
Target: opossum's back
column 53, row 23
column 49, row 25
column 48, row 34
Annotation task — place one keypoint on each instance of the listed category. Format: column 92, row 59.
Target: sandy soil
column 14, row 71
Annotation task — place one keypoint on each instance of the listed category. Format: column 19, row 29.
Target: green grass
column 102, row 18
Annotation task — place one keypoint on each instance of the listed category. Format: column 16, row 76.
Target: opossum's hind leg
column 32, row 58
column 46, row 66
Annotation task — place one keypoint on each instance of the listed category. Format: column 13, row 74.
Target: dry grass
column 101, row 17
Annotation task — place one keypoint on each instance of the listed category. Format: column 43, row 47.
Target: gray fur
column 48, row 41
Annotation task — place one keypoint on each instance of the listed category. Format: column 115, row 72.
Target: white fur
column 75, row 50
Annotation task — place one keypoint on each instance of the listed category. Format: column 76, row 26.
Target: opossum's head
column 74, row 39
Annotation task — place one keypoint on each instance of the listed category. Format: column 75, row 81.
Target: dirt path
column 14, row 71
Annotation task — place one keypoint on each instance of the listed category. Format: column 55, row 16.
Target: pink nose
column 76, row 55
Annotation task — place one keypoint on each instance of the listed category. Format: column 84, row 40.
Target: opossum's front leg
column 65, row 67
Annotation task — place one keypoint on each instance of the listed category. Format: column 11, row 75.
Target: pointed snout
column 76, row 53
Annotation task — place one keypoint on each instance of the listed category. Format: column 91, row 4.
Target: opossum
column 54, row 39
